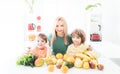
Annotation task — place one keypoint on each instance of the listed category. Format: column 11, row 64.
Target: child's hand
column 28, row 50
column 89, row 48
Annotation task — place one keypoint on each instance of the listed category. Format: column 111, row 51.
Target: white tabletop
column 106, row 51
column 11, row 68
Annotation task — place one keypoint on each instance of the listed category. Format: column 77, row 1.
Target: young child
column 78, row 43
column 42, row 50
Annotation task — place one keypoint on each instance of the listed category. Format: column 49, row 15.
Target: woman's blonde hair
column 54, row 34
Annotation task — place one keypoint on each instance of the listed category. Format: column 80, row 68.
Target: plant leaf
column 89, row 6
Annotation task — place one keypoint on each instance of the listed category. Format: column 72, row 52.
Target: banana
column 91, row 55
column 83, row 56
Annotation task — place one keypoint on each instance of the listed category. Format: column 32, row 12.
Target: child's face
column 76, row 40
column 41, row 42
column 59, row 27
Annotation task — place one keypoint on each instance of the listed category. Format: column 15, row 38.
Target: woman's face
column 41, row 42
column 76, row 40
column 59, row 28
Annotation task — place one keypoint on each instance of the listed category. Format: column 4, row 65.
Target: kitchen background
column 15, row 14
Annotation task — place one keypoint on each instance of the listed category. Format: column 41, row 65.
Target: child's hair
column 80, row 33
column 43, row 36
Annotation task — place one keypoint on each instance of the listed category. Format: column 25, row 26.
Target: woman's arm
column 49, row 50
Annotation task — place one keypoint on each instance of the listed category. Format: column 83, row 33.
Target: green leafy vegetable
column 26, row 60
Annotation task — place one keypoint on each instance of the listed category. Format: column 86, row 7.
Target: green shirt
column 59, row 46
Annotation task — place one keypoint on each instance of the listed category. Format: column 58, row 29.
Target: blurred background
column 16, row 14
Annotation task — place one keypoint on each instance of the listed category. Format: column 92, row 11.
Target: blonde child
column 78, row 43
column 42, row 50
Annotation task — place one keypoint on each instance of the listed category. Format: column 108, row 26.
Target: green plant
column 88, row 7
column 30, row 3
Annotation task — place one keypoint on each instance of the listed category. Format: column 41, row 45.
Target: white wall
column 111, row 21
column 11, row 28
column 13, row 13
column 72, row 10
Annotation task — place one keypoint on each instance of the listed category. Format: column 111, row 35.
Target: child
column 42, row 49
column 78, row 43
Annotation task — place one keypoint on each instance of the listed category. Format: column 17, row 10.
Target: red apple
column 92, row 64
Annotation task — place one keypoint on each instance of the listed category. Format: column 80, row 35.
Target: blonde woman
column 59, row 40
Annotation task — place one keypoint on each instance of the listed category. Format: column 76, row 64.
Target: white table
column 11, row 68
column 106, row 50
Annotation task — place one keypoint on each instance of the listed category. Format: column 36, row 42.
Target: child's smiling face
column 41, row 42
column 76, row 40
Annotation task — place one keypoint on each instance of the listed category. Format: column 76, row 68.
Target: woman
column 59, row 40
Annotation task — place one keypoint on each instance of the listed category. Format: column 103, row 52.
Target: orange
column 50, row 68
column 39, row 62
column 64, row 69
column 59, row 56
column 31, row 37
column 71, row 59
column 48, row 60
column 65, row 57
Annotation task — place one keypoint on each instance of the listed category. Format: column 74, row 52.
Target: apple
column 92, row 64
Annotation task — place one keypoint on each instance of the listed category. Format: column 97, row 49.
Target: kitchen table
column 106, row 50
column 11, row 68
